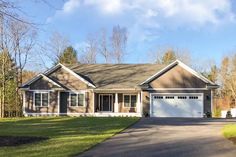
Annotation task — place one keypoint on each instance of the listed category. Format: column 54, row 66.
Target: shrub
column 146, row 114
column 217, row 113
column 228, row 115
column 208, row 114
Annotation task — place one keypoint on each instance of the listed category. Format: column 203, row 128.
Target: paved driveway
column 169, row 137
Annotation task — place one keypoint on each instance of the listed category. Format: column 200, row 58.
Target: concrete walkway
column 169, row 137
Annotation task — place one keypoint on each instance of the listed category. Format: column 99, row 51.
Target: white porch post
column 139, row 103
column 116, row 104
column 24, row 99
column 212, row 99
column 58, row 102
column 93, row 102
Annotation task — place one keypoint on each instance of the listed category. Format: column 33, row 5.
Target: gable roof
column 177, row 62
column 118, row 76
column 37, row 77
column 115, row 76
column 51, row 70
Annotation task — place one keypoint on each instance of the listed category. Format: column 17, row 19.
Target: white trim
column 41, row 90
column 118, row 89
column 116, row 104
column 176, row 89
column 160, row 72
column 76, row 75
column 212, row 99
column 50, row 80
column 58, row 101
column 138, row 107
column 37, row 77
column 93, row 102
column 31, row 80
column 130, row 100
column 96, row 114
column 141, row 105
column 77, row 94
column 41, row 102
column 55, row 68
column 151, row 96
column 177, row 62
column 24, row 99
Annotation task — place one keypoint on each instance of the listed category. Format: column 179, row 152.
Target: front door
column 106, row 102
column 64, row 97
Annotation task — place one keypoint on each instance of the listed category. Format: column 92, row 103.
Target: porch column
column 24, row 99
column 58, row 102
column 116, row 104
column 93, row 102
column 139, row 103
column 212, row 99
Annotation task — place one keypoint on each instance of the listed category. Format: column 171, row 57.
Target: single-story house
column 175, row 90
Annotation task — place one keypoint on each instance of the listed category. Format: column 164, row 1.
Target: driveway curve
column 168, row 137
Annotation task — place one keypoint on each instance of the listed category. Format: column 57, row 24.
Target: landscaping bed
column 19, row 140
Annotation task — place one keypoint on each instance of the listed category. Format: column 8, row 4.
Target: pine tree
column 8, row 84
column 68, row 57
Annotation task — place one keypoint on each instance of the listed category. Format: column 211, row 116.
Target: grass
column 68, row 136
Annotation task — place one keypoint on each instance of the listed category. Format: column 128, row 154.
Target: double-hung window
column 41, row 99
column 130, row 100
column 77, row 99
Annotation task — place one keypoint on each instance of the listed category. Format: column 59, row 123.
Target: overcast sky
column 207, row 28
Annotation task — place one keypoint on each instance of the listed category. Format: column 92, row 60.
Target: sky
column 206, row 28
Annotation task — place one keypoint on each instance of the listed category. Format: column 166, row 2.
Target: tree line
column 112, row 49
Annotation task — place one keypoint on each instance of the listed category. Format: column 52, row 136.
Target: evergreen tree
column 68, row 57
column 8, row 85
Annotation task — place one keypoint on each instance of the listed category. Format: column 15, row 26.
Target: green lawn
column 229, row 131
column 68, row 136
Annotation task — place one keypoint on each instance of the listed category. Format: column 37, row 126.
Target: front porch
column 122, row 103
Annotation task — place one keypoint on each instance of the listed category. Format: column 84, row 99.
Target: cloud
column 144, row 18
column 107, row 6
column 70, row 6
column 193, row 12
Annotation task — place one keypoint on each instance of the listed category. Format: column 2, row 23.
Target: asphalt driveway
column 169, row 137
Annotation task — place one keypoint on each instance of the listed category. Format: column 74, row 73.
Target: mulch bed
column 233, row 139
column 19, row 140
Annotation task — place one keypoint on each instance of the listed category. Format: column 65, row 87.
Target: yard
column 229, row 131
column 67, row 136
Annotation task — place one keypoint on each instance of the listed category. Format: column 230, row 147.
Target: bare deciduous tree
column 103, row 46
column 23, row 39
column 165, row 55
column 90, row 52
column 55, row 46
column 118, row 43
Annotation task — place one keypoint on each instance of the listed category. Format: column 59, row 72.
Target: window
column 170, row 97
column 73, row 99
column 130, row 100
column 182, row 97
column 80, row 99
column 193, row 97
column 158, row 97
column 77, row 99
column 41, row 99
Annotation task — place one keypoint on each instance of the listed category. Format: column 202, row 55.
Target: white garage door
column 177, row 105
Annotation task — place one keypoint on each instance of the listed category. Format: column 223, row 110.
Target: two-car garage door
column 177, row 105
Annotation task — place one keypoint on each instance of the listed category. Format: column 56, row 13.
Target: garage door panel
column 177, row 105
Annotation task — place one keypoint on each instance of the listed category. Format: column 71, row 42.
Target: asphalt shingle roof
column 115, row 76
